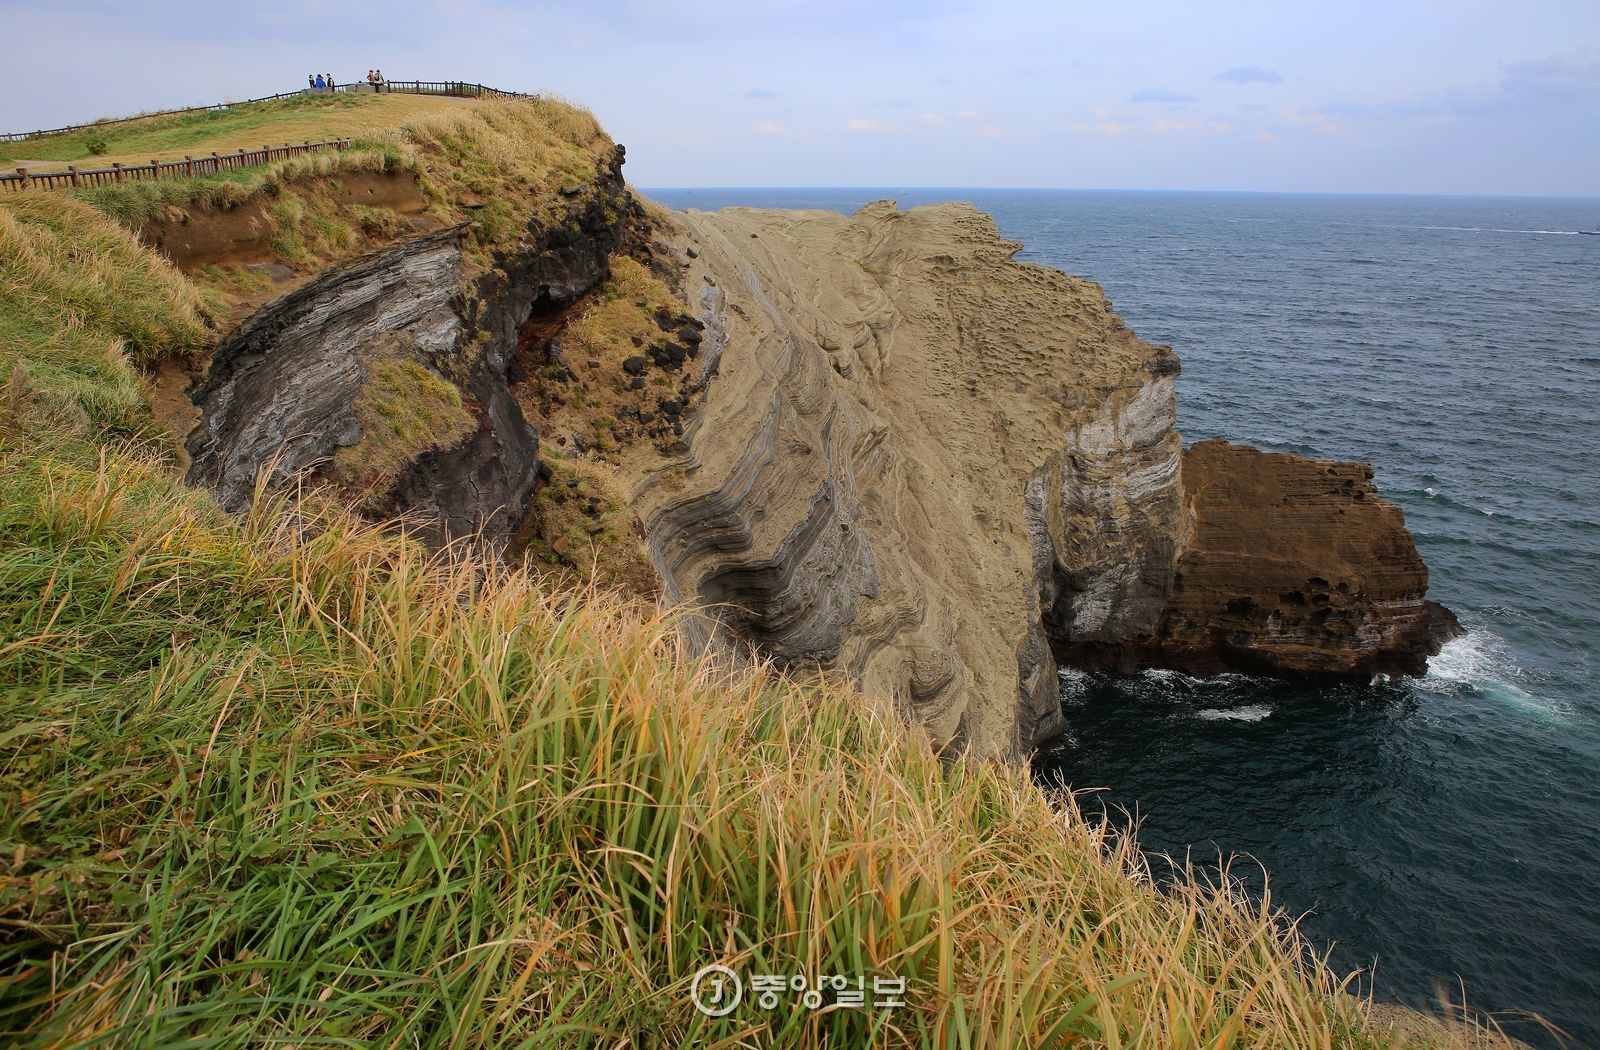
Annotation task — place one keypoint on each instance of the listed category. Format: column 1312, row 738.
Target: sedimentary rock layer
column 279, row 399
column 1291, row 566
column 904, row 426
column 940, row 469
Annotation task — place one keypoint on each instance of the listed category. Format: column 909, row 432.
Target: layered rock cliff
column 281, row 396
column 943, row 470
column 1289, row 566
column 878, row 444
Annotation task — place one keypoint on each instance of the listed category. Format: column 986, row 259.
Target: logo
column 716, row 991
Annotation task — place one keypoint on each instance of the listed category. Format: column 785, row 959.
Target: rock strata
column 944, row 471
column 279, row 399
column 887, row 447
column 1290, row 566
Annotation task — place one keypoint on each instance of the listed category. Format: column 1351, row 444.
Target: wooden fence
column 454, row 88
column 187, row 168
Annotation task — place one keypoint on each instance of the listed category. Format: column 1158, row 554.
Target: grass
column 292, row 779
column 295, row 780
column 136, row 202
column 404, row 409
column 495, row 165
column 310, row 118
column 83, row 301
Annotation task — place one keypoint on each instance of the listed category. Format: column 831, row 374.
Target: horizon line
column 1115, row 189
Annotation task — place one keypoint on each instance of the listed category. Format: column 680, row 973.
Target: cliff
column 1289, row 566
column 943, row 470
column 875, row 443
column 282, row 394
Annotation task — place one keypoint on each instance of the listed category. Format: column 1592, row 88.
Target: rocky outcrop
column 279, row 399
column 942, row 470
column 1290, row 566
column 893, row 450
column 891, row 391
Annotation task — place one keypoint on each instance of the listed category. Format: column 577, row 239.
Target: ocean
column 1440, row 834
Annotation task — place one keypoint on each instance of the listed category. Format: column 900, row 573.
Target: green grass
column 135, row 202
column 294, row 119
column 404, row 410
column 293, row 780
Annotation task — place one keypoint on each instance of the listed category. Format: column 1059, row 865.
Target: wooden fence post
column 116, row 168
column 188, row 165
column 24, row 173
column 155, row 167
column 72, row 169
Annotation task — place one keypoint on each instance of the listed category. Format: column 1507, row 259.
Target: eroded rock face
column 279, row 394
column 279, row 398
column 891, row 392
column 1291, row 566
column 941, row 470
column 905, row 455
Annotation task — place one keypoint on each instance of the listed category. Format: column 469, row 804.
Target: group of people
column 325, row 81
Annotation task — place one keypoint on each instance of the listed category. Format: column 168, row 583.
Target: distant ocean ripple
column 1438, row 831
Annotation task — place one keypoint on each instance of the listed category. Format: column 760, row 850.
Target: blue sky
column 1294, row 95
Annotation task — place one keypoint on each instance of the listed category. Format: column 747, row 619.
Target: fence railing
column 187, row 168
column 455, row 88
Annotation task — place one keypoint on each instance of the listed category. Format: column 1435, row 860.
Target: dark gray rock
column 278, row 398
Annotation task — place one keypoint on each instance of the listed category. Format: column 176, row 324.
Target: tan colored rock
column 904, row 432
column 939, row 469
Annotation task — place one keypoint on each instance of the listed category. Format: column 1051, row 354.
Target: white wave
column 1479, row 662
column 1248, row 713
column 1458, row 229
column 1074, row 683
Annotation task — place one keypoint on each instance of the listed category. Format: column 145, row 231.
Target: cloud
column 1161, row 94
column 863, row 124
column 759, row 92
column 1542, row 93
column 1250, row 75
column 766, row 127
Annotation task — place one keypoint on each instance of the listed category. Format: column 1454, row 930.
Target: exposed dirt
column 237, row 236
column 169, row 387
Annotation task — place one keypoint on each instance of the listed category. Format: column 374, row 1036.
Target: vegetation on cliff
column 292, row 778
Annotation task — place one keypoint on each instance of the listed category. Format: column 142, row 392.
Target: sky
column 1369, row 96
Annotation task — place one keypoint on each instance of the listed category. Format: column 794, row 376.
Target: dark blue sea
column 1441, row 834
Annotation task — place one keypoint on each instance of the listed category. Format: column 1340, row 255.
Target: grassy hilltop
column 292, row 779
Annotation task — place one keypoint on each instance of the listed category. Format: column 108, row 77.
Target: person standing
column 331, row 84
column 383, row 85
column 318, row 83
column 311, row 80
